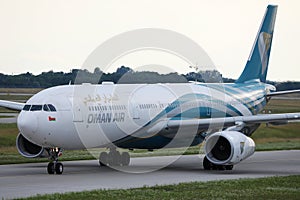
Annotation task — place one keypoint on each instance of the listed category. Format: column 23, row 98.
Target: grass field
column 10, row 97
column 283, row 105
column 261, row 188
column 19, row 98
column 16, row 94
column 20, row 90
column 4, row 110
column 6, row 116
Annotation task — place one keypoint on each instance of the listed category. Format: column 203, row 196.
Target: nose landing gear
column 54, row 166
column 114, row 158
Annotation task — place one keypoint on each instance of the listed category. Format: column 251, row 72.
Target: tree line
column 121, row 75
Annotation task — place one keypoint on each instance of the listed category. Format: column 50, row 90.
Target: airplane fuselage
column 128, row 115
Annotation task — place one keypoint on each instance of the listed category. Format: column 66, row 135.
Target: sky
column 37, row 36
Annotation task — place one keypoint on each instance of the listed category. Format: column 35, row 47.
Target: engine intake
column 228, row 147
column 29, row 149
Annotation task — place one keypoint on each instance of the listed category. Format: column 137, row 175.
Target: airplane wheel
column 59, row 168
column 207, row 165
column 221, row 167
column 228, row 167
column 103, row 159
column 118, row 159
column 114, row 158
column 125, row 158
column 54, row 166
column 51, row 168
column 210, row 166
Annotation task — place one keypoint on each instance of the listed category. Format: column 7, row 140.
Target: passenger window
column 46, row 108
column 26, row 107
column 36, row 107
column 51, row 107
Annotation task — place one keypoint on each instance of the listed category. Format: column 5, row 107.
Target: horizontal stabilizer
column 282, row 93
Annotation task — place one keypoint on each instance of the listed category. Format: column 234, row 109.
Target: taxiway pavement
column 22, row 180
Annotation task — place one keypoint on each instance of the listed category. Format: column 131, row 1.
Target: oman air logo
column 264, row 44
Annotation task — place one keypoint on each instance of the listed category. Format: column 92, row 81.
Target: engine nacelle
column 29, row 149
column 228, row 147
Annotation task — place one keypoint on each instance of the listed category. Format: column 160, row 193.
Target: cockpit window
column 51, row 107
column 26, row 107
column 46, row 108
column 36, row 107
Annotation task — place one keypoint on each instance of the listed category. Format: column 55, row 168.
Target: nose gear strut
column 54, row 166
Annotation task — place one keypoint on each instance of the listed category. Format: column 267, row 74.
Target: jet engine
column 228, row 147
column 29, row 149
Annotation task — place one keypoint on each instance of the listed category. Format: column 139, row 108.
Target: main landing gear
column 211, row 166
column 54, row 166
column 114, row 158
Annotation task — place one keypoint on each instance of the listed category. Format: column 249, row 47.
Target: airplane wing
column 282, row 92
column 232, row 121
column 12, row 105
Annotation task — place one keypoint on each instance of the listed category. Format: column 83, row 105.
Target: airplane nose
column 27, row 124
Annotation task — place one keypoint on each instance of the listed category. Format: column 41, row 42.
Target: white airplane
column 154, row 116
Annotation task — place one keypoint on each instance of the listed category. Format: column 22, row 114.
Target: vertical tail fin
column 257, row 64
